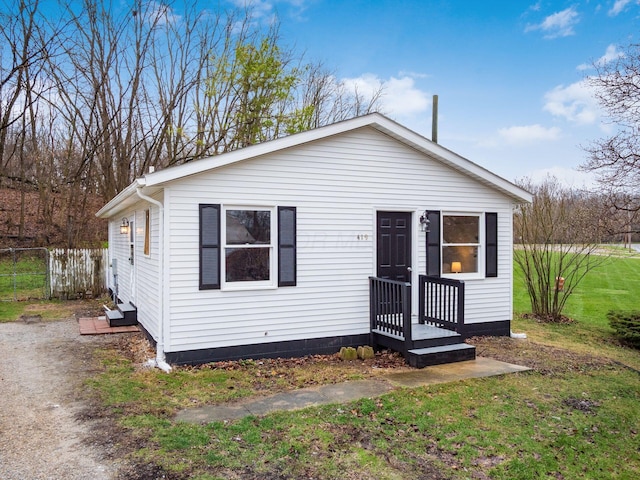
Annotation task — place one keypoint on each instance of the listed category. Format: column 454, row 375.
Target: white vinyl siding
column 147, row 267
column 336, row 184
column 138, row 283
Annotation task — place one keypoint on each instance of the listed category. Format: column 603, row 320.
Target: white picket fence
column 78, row 273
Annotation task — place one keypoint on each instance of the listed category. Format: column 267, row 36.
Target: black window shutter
column 287, row 246
column 491, row 241
column 209, row 247
column 433, row 243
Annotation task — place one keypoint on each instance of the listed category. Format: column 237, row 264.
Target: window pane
column 460, row 229
column 248, row 227
column 464, row 259
column 247, row 264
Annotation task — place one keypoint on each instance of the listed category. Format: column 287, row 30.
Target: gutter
column 160, row 360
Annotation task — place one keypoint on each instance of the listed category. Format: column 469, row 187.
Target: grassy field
column 23, row 277
column 614, row 286
column 575, row 415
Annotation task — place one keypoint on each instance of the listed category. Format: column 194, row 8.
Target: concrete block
column 366, row 352
column 348, row 353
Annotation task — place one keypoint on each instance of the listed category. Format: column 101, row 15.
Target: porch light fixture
column 124, row 226
column 424, row 222
column 456, row 267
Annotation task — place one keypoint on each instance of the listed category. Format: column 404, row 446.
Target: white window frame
column 272, row 283
column 480, row 245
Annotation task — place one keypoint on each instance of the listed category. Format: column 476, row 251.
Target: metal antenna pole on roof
column 434, row 120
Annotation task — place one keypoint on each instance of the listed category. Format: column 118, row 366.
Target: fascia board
column 121, row 200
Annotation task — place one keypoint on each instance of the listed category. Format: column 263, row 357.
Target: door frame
column 417, row 262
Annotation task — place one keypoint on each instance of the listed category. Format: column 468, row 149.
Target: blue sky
column 509, row 74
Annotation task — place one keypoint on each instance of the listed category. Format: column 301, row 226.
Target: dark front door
column 394, row 245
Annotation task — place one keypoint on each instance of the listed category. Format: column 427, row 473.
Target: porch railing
column 441, row 303
column 390, row 307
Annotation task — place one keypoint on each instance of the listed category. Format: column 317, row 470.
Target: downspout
column 160, row 360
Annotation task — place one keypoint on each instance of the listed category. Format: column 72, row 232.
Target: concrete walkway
column 348, row 391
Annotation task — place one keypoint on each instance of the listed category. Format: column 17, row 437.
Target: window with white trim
column 466, row 243
column 461, row 242
column 238, row 247
column 248, row 245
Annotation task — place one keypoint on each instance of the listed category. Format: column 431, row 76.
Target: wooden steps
column 429, row 345
column 424, row 357
column 124, row 315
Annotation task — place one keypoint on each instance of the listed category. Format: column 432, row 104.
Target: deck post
column 422, row 280
column 460, row 328
column 372, row 311
column 406, row 317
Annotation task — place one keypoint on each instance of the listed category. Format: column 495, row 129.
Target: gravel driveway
column 41, row 372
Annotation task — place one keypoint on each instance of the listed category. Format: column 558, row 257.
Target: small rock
column 366, row 352
column 348, row 353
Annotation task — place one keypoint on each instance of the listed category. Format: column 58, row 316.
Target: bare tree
column 96, row 91
column 557, row 244
column 616, row 159
column 23, row 46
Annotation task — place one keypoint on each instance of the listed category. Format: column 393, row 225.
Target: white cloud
column 267, row 8
column 535, row 7
column 527, row 134
column 161, row 14
column 403, row 98
column 400, row 96
column 610, row 55
column 574, row 103
column 559, row 24
column 366, row 84
column 568, row 177
column 618, row 7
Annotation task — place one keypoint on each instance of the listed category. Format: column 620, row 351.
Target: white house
column 268, row 250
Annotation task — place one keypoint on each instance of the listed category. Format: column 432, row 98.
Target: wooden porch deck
column 428, row 332
column 421, row 332
column 441, row 302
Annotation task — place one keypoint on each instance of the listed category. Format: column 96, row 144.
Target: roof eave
column 374, row 120
column 193, row 168
column 122, row 200
column 453, row 159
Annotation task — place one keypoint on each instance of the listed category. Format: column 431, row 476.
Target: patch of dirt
column 323, row 369
column 582, row 404
column 544, row 359
column 548, row 318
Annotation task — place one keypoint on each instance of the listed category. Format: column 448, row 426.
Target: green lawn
column 613, row 286
column 576, row 415
column 22, row 278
